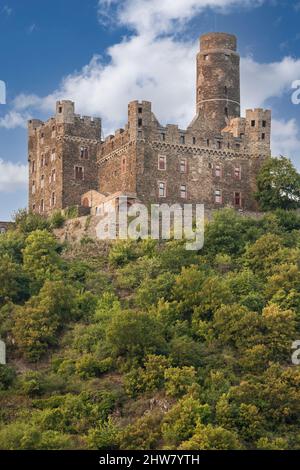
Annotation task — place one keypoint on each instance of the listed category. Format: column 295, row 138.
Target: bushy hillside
column 141, row 345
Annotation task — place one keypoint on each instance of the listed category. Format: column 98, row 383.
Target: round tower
column 218, row 80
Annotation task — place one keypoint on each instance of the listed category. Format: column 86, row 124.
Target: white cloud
column 260, row 82
column 161, row 69
column 13, row 176
column 286, row 139
column 14, row 119
column 7, row 10
column 155, row 17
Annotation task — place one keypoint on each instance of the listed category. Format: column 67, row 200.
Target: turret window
column 264, row 123
column 263, row 136
column 218, row 171
column 253, row 123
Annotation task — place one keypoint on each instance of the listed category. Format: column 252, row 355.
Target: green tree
column 278, row 185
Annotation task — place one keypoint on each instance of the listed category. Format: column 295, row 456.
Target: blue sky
column 104, row 53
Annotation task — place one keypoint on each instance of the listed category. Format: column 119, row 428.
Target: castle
column 214, row 161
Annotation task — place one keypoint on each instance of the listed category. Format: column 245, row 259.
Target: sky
column 104, row 53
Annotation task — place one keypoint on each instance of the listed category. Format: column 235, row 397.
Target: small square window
column 140, row 110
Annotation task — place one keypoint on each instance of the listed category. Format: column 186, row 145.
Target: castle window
column 84, row 153
column 183, row 165
column 42, row 161
column 218, row 171
column 242, row 135
column 218, row 196
column 238, row 146
column 123, row 165
column 140, row 122
column 53, row 155
column 263, row 136
column 163, row 136
column 42, row 137
column 42, row 205
column 225, row 90
column 33, row 207
column 219, row 144
column 237, row 199
column 206, row 57
column 79, row 173
column 237, row 173
column 182, row 139
column 33, row 188
column 60, row 109
column 183, row 191
column 264, row 123
column 53, row 200
column 162, row 189
column 207, row 142
column 226, row 112
column 252, row 123
column 42, row 181
column 53, row 176
column 140, row 134
column 162, row 162
column 140, row 110
column 194, row 140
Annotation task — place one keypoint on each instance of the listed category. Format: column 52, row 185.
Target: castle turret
column 218, row 80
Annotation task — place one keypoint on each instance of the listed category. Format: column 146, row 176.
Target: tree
column 278, row 184
column 41, row 257
column 133, row 335
column 212, row 438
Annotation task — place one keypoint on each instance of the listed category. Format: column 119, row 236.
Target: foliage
column 143, row 345
column 278, row 185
